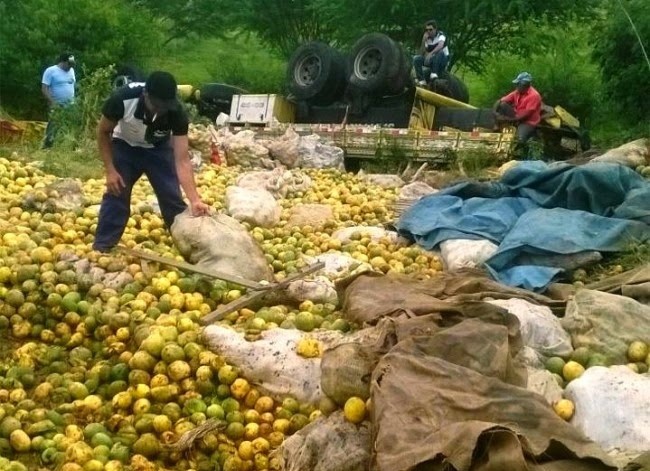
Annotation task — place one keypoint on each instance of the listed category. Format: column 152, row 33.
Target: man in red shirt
column 522, row 107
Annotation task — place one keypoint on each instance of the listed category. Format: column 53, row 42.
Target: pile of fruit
column 566, row 370
column 94, row 378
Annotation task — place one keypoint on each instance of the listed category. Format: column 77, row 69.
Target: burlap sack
column 606, row 323
column 221, row 243
column 452, row 400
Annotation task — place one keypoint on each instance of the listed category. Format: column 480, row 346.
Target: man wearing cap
column 523, row 106
column 143, row 130
column 57, row 86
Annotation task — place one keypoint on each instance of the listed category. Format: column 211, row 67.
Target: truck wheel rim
column 367, row 63
column 307, row 70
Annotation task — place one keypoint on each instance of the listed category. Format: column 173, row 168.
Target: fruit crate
column 20, row 131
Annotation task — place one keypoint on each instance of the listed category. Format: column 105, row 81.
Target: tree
column 184, row 18
column 35, row 32
column 282, row 25
column 623, row 61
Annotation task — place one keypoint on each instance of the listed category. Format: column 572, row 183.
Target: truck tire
column 316, row 73
column 125, row 74
column 458, row 89
column 215, row 98
column 451, row 86
column 376, row 64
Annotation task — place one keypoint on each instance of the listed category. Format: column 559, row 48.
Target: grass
column 634, row 255
column 237, row 61
column 80, row 161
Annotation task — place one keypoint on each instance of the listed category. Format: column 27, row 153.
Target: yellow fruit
column 637, row 351
column 572, row 370
column 355, row 410
column 20, row 441
column 564, row 408
column 239, row 388
column 309, row 348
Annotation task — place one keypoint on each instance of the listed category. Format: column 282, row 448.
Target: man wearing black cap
column 57, row 86
column 143, row 130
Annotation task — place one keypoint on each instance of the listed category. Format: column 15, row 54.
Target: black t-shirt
column 136, row 125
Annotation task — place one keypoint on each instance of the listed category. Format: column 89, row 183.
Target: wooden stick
column 406, row 170
column 247, row 299
column 193, row 268
column 416, row 175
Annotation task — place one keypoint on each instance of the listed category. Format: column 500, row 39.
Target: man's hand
column 199, row 208
column 114, row 182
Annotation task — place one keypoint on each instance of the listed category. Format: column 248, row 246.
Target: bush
column 78, row 121
column 625, row 69
column 563, row 70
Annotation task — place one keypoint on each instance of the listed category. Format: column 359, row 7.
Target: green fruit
column 119, row 452
column 93, row 429
column 283, row 414
column 192, row 406
column 235, row 430
column 147, row 445
column 235, row 416
column 145, row 424
column 173, row 411
column 101, row 438
column 597, row 359
column 40, row 427
column 116, row 387
column 581, row 355
column 119, row 372
column 305, row 321
column 8, row 425
column 215, row 411
column 78, row 390
column 153, row 344
column 70, row 301
column 297, row 422
column 223, row 391
column 230, row 405
column 555, row 365
column 172, row 352
column 290, row 404
column 142, row 360
column 341, row 324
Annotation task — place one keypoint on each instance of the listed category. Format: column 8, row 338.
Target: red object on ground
column 215, row 157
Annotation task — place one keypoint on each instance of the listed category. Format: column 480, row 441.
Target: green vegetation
column 237, row 60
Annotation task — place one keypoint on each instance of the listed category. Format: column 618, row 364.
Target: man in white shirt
column 143, row 130
column 434, row 54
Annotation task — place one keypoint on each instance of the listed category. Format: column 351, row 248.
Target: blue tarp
column 537, row 209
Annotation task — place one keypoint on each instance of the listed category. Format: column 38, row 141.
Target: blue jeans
column 131, row 162
column 437, row 63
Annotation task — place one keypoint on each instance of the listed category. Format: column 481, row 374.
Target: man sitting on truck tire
column 523, row 108
column 434, row 54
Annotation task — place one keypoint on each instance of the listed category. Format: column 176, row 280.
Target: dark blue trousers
column 131, row 163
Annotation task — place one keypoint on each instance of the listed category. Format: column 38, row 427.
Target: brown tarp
column 449, row 395
column 445, row 292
